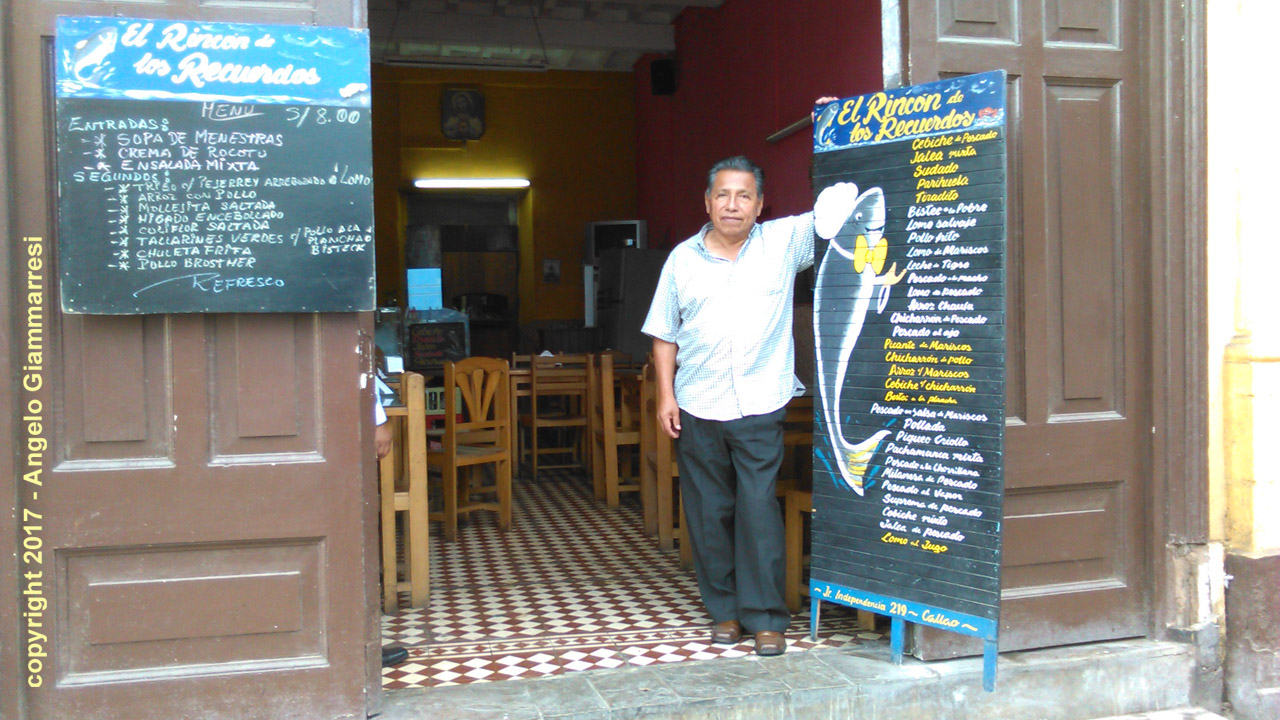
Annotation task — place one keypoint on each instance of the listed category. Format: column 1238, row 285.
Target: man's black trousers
column 728, row 482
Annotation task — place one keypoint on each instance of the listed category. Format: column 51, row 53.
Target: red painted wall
column 746, row 70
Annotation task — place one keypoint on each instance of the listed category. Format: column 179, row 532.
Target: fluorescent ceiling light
column 467, row 63
column 470, row 183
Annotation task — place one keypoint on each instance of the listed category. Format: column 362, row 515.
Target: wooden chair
column 402, row 476
column 521, row 377
column 795, row 483
column 797, row 502
column 659, row 471
column 475, row 434
column 648, row 424
column 558, row 389
column 615, row 406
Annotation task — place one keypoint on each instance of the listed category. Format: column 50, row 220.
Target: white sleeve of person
column 832, row 208
column 379, row 415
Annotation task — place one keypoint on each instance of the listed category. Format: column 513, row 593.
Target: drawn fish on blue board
column 825, row 132
column 859, row 240
column 87, row 59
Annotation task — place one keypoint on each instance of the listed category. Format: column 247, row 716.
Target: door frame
column 1177, row 494
column 1177, row 216
column 9, row 646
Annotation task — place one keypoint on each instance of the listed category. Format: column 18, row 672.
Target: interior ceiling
column 535, row 34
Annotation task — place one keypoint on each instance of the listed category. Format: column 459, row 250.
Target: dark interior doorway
column 473, row 238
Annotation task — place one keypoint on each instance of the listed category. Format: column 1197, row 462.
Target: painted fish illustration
column 826, row 124
column 859, row 240
column 89, row 55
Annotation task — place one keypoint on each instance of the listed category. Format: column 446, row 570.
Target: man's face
column 733, row 203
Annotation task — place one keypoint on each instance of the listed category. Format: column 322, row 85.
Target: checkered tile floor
column 574, row 585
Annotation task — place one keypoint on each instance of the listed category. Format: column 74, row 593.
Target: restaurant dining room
column 530, row 520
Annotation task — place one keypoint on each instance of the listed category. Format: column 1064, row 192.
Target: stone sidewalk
column 1185, row 713
column 1104, row 680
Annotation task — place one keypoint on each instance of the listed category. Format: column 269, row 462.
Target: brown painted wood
column 10, row 663
column 1177, row 151
column 207, row 496
column 1078, row 453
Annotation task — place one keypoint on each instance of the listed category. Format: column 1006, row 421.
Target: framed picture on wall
column 462, row 114
column 551, row 272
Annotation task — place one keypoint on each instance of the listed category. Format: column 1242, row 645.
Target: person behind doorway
column 391, row 654
column 724, row 359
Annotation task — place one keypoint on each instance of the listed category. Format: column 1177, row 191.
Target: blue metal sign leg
column 989, row 665
column 897, row 637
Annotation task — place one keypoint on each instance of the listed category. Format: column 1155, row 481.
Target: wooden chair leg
column 598, row 471
column 666, row 521
column 795, row 551
column 533, row 451
column 449, row 486
column 611, row 474
column 504, row 494
column 418, row 557
column 387, row 488
column 648, row 495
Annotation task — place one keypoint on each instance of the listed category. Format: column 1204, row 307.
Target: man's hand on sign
column 813, row 114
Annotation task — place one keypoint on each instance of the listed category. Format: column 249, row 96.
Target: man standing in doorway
column 724, row 358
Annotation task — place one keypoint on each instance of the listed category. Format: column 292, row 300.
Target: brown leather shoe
column 770, row 642
column 728, row 632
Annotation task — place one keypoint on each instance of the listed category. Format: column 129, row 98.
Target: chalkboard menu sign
column 909, row 318
column 428, row 345
column 213, row 167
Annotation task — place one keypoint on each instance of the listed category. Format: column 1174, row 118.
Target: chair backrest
column 620, row 394
column 477, row 401
column 648, row 408
column 563, row 374
column 653, row 441
column 620, row 359
column 414, row 435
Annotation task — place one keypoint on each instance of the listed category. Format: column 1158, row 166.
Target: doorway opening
column 473, row 239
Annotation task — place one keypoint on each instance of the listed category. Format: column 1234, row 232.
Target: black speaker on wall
column 662, row 76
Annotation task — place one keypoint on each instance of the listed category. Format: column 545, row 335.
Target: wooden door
column 1078, row 440
column 203, row 506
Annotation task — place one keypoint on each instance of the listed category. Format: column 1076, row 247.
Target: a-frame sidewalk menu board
column 909, row 320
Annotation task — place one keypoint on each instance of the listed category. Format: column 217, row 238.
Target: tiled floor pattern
column 574, row 585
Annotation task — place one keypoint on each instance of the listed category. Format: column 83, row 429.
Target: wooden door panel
column 1076, row 456
column 113, row 391
column 264, row 388
column 259, row 607
column 978, row 19
column 203, row 502
column 1083, row 250
column 1082, row 23
column 1064, row 537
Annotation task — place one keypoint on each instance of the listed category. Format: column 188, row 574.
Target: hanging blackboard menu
column 213, row 167
column 909, row 318
column 429, row 344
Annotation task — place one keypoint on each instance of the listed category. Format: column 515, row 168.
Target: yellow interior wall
column 572, row 134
